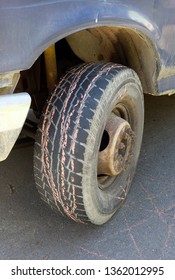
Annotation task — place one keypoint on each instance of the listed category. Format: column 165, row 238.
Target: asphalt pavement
column 143, row 229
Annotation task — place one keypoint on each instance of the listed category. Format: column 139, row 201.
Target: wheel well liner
column 121, row 45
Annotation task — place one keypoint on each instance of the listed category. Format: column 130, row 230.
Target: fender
column 30, row 26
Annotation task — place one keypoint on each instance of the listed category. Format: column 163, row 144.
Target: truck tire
column 88, row 141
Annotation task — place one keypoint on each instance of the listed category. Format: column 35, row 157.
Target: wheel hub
column 114, row 158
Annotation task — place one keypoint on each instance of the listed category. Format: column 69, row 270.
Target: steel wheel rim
column 121, row 111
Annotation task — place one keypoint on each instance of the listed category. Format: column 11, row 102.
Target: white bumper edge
column 13, row 112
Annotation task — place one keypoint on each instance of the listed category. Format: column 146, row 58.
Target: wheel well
column 121, row 45
column 109, row 44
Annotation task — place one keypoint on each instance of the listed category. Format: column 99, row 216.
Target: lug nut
column 122, row 146
column 125, row 135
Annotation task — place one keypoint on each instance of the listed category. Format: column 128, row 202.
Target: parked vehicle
column 82, row 67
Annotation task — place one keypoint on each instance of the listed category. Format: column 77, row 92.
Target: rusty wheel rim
column 116, row 147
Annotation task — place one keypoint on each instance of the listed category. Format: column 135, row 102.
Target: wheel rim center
column 114, row 158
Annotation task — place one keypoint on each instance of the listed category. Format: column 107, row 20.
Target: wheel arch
column 119, row 44
column 123, row 45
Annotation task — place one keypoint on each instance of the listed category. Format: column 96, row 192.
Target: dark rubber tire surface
column 69, row 137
